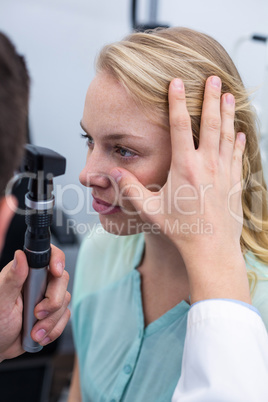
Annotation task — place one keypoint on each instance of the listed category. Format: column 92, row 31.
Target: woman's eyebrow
column 119, row 136
column 114, row 136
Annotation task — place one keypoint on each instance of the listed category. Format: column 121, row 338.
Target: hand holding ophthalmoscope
column 40, row 271
column 52, row 312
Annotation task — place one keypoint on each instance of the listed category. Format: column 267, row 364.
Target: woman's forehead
column 110, row 110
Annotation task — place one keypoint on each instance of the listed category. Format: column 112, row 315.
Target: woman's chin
column 120, row 227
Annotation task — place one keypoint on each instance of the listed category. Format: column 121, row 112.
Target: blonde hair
column 145, row 63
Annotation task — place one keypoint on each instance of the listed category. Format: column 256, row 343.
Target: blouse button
column 127, row 369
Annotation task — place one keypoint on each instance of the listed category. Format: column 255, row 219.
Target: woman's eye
column 89, row 139
column 125, row 153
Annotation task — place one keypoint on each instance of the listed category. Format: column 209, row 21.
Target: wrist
column 210, row 251
column 217, row 275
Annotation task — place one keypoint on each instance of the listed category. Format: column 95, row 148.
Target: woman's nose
column 94, row 173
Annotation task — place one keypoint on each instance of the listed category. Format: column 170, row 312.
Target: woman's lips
column 104, row 208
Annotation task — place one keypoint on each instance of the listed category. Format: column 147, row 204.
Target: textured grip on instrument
column 36, row 259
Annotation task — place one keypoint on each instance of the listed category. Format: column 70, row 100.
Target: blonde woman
column 170, row 135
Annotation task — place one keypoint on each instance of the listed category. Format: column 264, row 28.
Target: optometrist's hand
column 202, row 213
column 52, row 312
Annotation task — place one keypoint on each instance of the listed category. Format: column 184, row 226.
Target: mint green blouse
column 120, row 359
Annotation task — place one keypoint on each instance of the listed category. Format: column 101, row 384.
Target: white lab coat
column 225, row 355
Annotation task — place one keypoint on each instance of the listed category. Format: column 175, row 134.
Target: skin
column 176, row 264
column 145, row 148
column 52, row 312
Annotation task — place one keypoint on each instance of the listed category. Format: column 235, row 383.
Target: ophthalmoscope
column 40, row 165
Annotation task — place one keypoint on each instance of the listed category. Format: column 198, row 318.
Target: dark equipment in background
column 152, row 23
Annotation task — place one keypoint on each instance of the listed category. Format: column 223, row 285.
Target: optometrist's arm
column 225, row 354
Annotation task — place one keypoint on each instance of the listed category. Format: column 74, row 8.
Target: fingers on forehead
column 179, row 118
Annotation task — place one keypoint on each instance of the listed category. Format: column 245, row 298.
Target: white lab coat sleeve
column 225, row 355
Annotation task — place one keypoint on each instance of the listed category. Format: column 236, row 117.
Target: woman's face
column 120, row 135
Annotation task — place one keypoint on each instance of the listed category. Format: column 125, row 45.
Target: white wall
column 60, row 39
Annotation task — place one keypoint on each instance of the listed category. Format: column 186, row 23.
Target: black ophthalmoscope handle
column 37, row 250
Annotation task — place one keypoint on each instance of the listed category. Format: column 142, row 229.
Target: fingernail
column 116, row 174
column 45, row 341
column 40, row 335
column 229, row 99
column 215, row 81
column 177, row 83
column 241, row 137
column 14, row 262
column 42, row 314
column 60, row 268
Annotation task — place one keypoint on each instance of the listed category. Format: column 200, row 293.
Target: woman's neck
column 164, row 281
column 162, row 257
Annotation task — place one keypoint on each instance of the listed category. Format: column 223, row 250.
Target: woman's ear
column 8, row 206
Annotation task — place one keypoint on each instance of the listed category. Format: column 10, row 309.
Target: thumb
column 130, row 189
column 12, row 277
